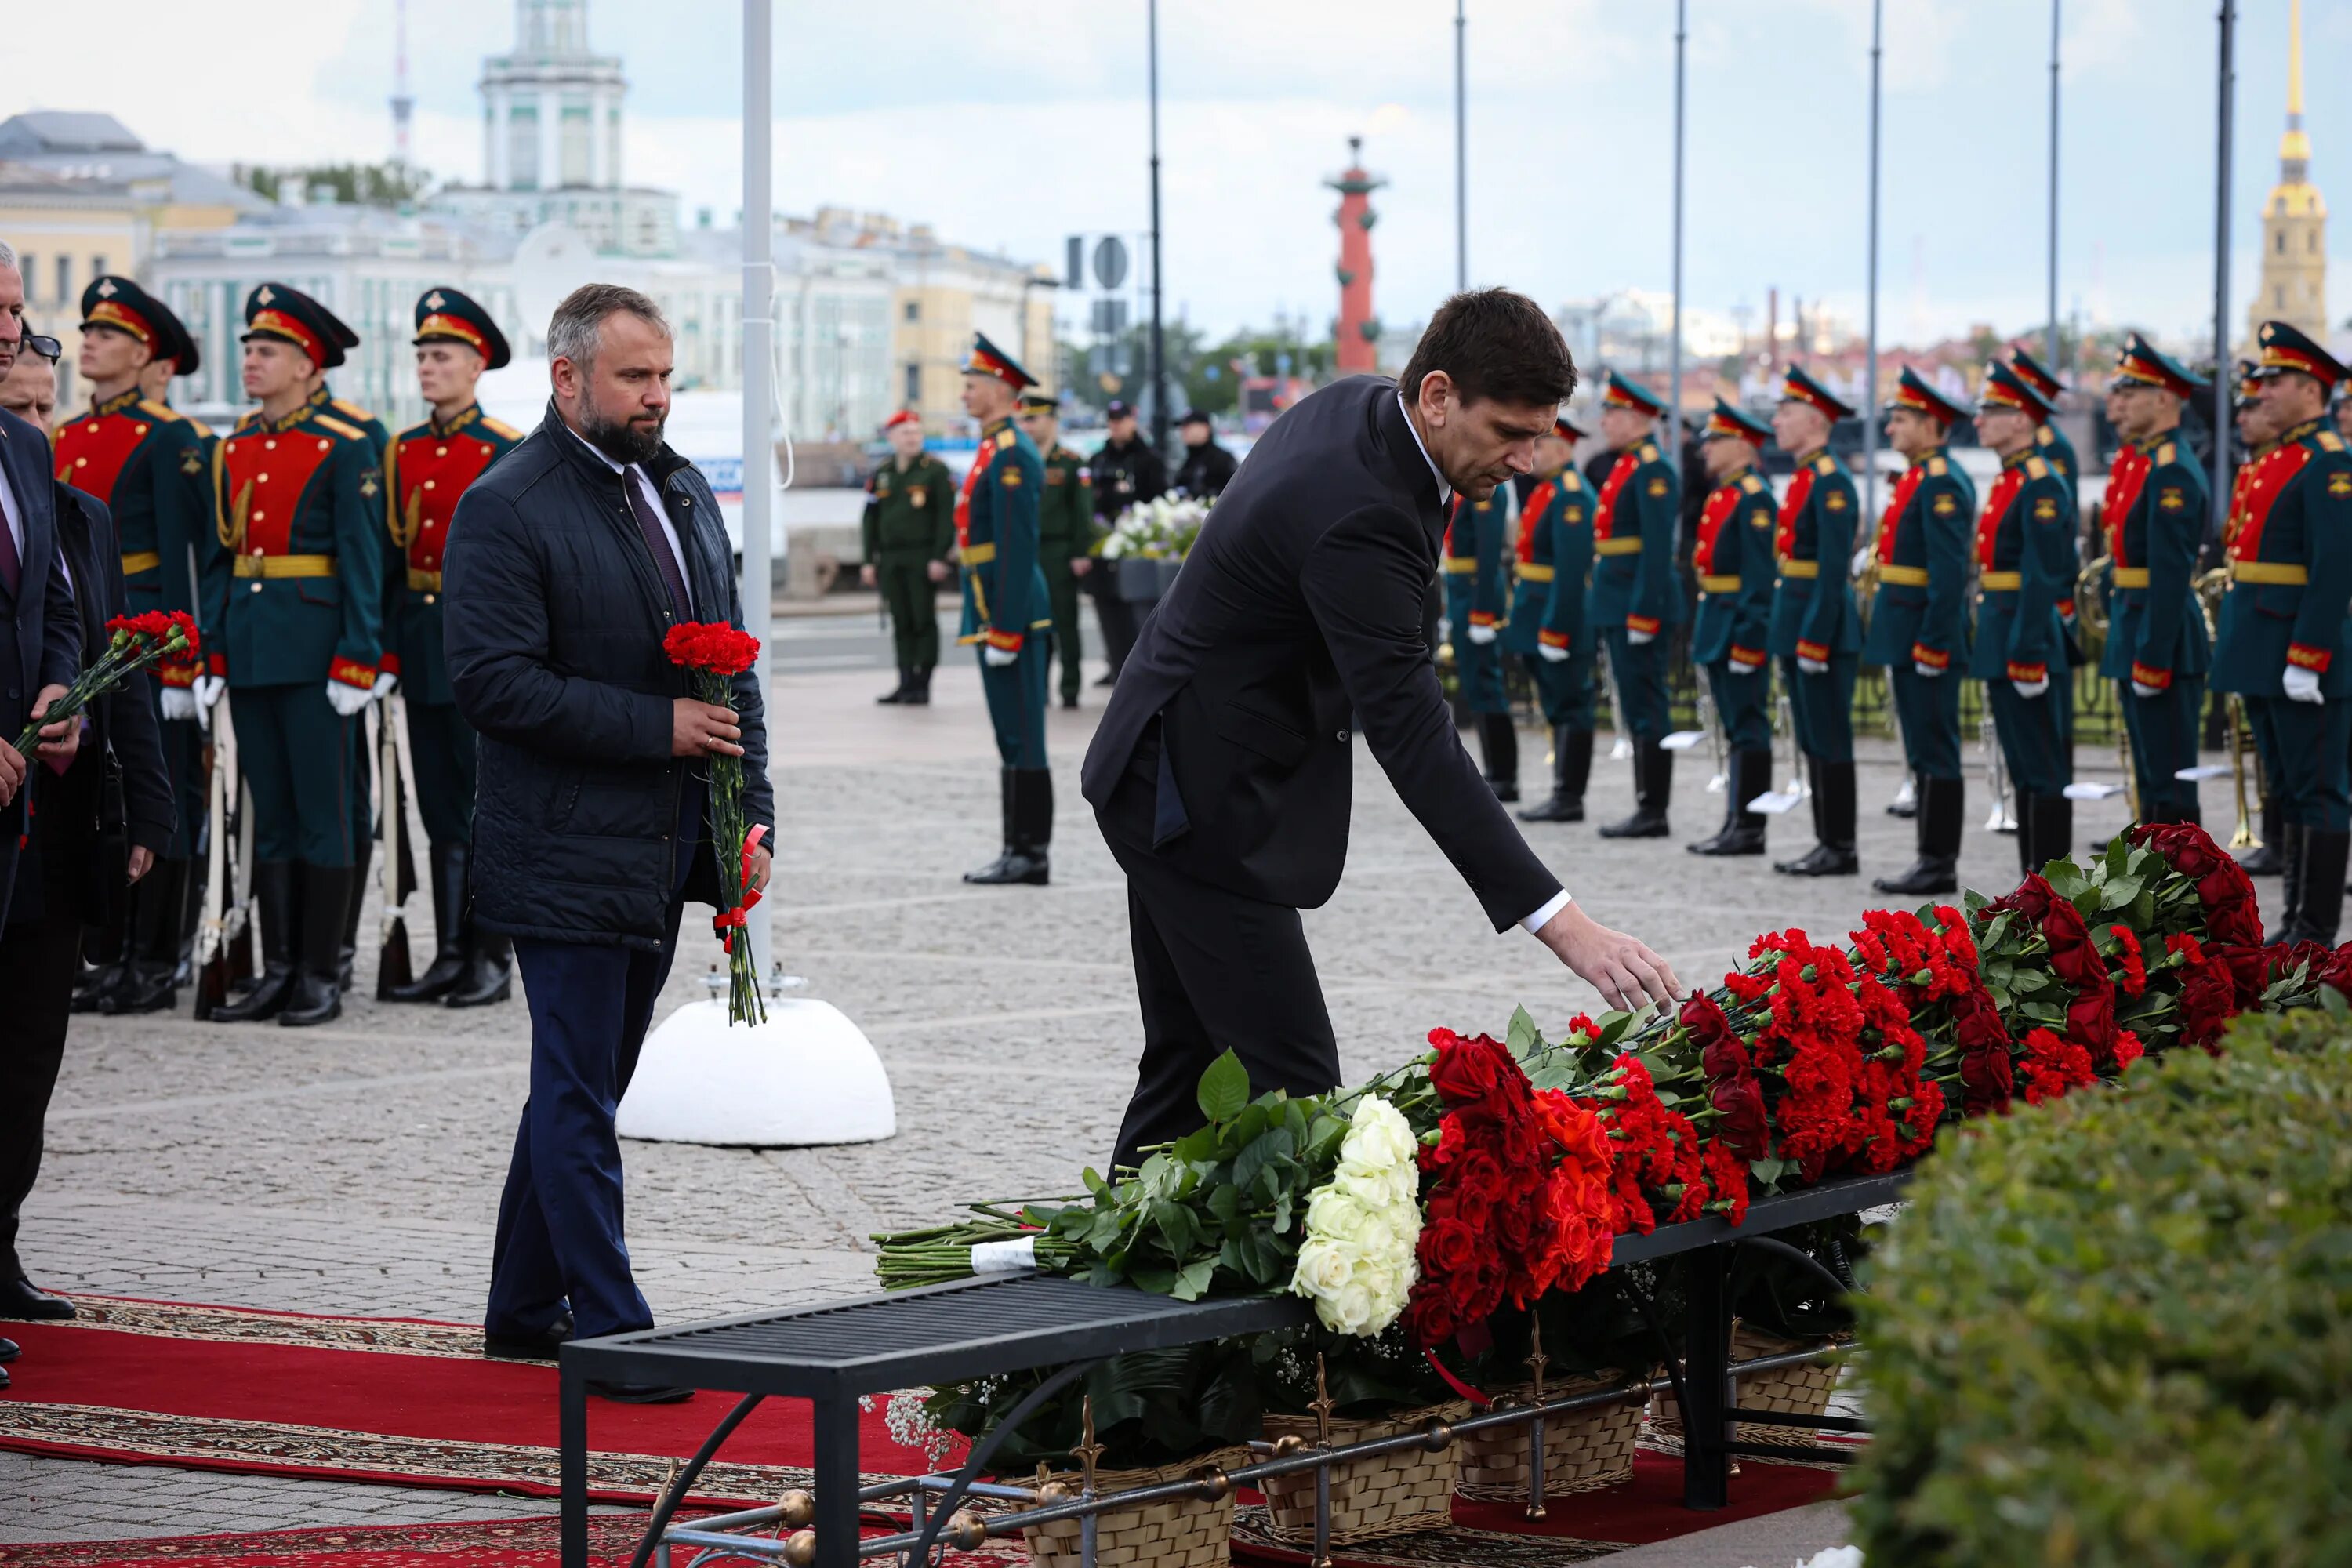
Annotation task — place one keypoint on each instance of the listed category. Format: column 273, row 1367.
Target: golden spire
column 2295, row 147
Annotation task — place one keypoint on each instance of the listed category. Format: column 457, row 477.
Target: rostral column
column 1359, row 331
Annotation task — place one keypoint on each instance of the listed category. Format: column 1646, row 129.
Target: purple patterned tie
column 681, row 603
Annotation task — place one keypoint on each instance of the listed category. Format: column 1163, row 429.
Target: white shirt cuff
column 1542, row 917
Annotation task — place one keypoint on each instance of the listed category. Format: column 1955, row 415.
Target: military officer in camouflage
column 1636, row 596
column 430, row 465
column 1547, row 629
column 1065, row 529
column 1732, row 557
column 1007, row 613
column 2024, row 553
column 2155, row 519
column 291, row 600
column 2282, row 643
column 909, row 529
column 149, row 465
column 1477, row 608
column 1919, row 622
column 1816, row 633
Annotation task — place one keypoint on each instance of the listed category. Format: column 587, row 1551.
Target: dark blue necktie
column 680, row 602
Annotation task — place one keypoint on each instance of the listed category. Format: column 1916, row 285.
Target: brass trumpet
column 2092, row 615
column 2210, row 587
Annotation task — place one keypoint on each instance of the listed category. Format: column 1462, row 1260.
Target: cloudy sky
column 1011, row 125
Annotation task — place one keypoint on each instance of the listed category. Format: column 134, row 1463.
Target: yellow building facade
column 2293, row 280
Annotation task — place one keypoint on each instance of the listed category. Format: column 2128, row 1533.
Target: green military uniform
column 2283, row 636
column 1065, row 530
column 2156, row 651
column 292, row 600
column 909, row 523
column 1732, row 559
column 1549, row 629
column 1477, row 610
column 1636, row 596
column 1814, row 621
column 1007, row 617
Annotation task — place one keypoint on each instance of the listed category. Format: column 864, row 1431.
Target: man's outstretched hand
column 1626, row 974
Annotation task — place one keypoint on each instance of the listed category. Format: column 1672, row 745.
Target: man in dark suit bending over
column 1221, row 770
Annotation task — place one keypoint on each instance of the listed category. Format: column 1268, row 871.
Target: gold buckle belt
column 2270, row 574
column 1718, row 585
column 1616, row 547
column 1793, row 567
column 423, row 582
column 285, row 565
column 1461, row 565
column 1531, row 572
column 2001, row 582
column 2131, row 576
column 137, row 561
column 1902, row 576
column 979, row 554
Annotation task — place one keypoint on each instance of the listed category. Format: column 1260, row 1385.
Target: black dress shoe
column 542, row 1346
column 1069, row 699
column 8, row 1351
column 4, row 1379
column 21, row 1299
column 639, row 1392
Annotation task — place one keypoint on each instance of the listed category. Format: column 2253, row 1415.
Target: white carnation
column 1357, row 1261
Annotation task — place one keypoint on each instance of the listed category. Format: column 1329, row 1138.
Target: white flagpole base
column 806, row 1076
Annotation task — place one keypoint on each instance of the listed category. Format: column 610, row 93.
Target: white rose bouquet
column 1357, row 1262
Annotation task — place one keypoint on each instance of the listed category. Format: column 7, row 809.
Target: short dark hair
column 575, row 331
column 1494, row 343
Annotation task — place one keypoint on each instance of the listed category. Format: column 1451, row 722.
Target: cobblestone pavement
column 355, row 1168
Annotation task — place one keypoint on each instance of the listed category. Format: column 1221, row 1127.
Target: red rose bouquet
column 133, row 643
column 712, row 655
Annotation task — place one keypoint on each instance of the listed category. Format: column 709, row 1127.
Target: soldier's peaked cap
column 2282, row 346
column 2142, row 364
column 1912, row 392
column 1798, row 385
column 275, row 311
column 2006, row 387
column 1624, row 391
column 987, row 359
column 444, row 315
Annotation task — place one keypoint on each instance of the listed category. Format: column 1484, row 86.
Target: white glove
column 2301, row 685
column 2030, row 690
column 1738, row 668
column 1640, row 639
column 348, row 699
column 1926, row 671
column 386, row 683
column 1480, row 635
column 2142, row 690
column 1813, row 666
column 208, row 691
column 998, row 657
column 1551, row 655
column 179, row 702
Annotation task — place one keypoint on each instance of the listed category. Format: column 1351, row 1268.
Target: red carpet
column 369, row 1399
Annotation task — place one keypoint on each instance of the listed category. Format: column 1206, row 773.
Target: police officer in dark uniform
column 2282, row 633
column 908, row 529
column 1207, row 468
column 291, row 600
column 1816, row 633
column 2024, row 553
column 1919, row 622
column 1065, row 530
column 1547, row 629
column 1636, row 596
column 1732, row 556
column 1125, row 470
column 430, row 468
column 2156, row 651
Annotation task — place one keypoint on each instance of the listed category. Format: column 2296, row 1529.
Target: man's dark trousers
column 559, row 1220
column 40, row 951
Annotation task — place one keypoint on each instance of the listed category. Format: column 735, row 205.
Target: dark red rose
column 2337, row 970
column 1447, row 1247
column 1741, row 1125
column 1467, row 1070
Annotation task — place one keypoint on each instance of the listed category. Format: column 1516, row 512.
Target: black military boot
column 1654, row 785
column 317, row 994
column 919, row 688
column 2054, row 828
column 1571, row 764
column 1498, row 739
column 2029, row 858
column 153, row 951
column 1743, row 830
column 273, row 899
column 2284, row 926
column 993, row 871
column 2324, row 857
column 94, row 986
column 354, row 887
column 1943, row 807
column 898, row 693
column 448, row 965
column 1029, row 830
column 2265, row 860
column 489, row 969
column 1834, row 819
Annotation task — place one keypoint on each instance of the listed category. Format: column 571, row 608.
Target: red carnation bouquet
column 133, row 643
column 712, row 655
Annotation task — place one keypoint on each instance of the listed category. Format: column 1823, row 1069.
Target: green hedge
column 2117, row 1329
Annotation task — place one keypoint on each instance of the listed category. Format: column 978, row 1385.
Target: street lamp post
column 1460, row 156
column 1159, row 338
column 759, row 371
column 2224, row 373
column 2050, row 347
column 1870, row 347
column 1675, row 312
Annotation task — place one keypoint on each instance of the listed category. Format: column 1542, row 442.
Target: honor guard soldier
column 909, row 531
column 291, row 602
column 2257, row 437
column 1547, row 629
column 2049, row 443
column 1919, row 622
column 1065, row 530
column 2282, row 643
column 1815, row 631
column 430, row 467
column 1477, row 607
column 1636, row 595
column 2155, row 517
column 148, row 464
column 2024, row 550
column 1006, row 612
column 1733, row 559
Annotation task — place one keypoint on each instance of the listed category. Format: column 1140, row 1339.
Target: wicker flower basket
column 1583, row 1449
column 1388, row 1494
column 1803, row 1389
column 1174, row 1532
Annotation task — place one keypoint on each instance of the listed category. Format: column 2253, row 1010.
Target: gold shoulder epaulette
column 348, row 432
column 1751, row 484
column 402, row 437
column 1825, row 464
column 1649, row 451
column 1569, row 480
column 1006, row 439
column 203, row 431
column 246, row 418
column 1938, row 467
column 2035, row 469
column 500, row 428
column 2165, row 453
column 2329, row 441
column 161, row 412
column 350, row 410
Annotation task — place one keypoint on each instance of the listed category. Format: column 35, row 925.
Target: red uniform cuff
column 1482, row 617
column 1817, row 652
column 391, row 665
column 217, row 665
column 1934, row 659
column 2028, row 671
column 2315, row 659
column 2066, row 609
column 1645, row 624
column 2148, row 675
column 1552, row 639
column 176, row 674
column 352, row 672
column 1747, row 658
column 1009, row 641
